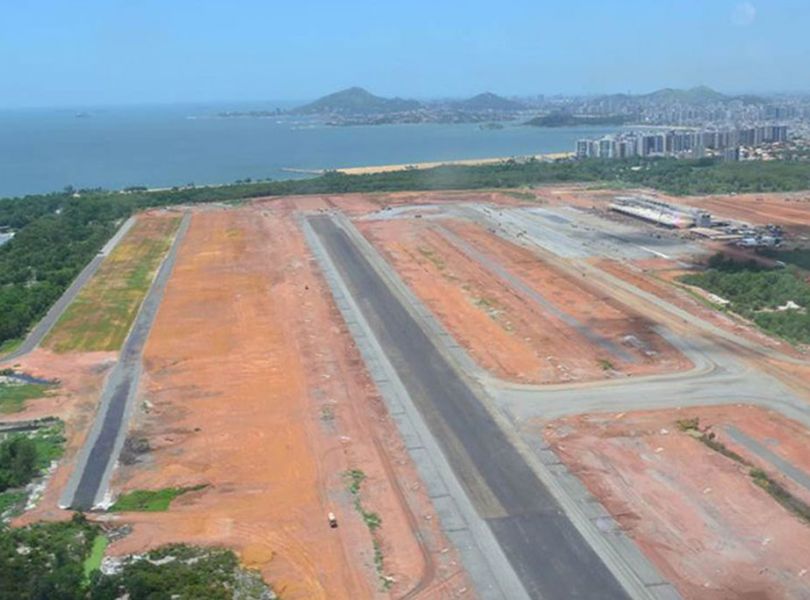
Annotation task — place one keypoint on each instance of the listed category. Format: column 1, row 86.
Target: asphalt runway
column 89, row 482
column 543, row 546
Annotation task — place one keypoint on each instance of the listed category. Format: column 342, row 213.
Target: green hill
column 488, row 101
column 696, row 95
column 356, row 101
column 562, row 119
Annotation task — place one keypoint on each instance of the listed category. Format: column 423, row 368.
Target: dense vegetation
column 18, row 461
column 183, row 572
column 756, row 293
column 58, row 234
column 47, row 561
column 564, row 119
column 798, row 257
column 24, row 456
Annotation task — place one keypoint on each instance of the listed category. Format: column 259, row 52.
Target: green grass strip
column 150, row 500
column 93, row 562
column 793, row 504
column 13, row 395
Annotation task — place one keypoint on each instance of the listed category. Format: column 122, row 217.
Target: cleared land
column 256, row 416
column 697, row 513
column 791, row 210
column 253, row 387
column 100, row 317
column 520, row 317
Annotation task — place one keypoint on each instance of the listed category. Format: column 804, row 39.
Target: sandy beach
column 466, row 162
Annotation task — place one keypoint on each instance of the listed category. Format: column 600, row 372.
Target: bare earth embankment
column 253, row 387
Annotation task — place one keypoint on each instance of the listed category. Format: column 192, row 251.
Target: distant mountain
column 696, row 95
column 356, row 101
column 488, row 101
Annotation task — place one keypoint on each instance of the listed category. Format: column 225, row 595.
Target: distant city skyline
column 107, row 52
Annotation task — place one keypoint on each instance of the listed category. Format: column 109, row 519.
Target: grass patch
column 93, row 562
column 101, row 315
column 354, row 480
column 685, row 425
column 605, row 364
column 150, row 500
column 49, row 443
column 435, row 259
column 14, row 395
column 10, row 345
column 708, row 438
column 386, row 581
column 11, row 500
column 520, row 195
column 795, row 505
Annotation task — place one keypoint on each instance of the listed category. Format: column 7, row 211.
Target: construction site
column 494, row 394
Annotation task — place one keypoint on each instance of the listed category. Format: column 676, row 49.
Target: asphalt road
column 544, row 548
column 41, row 329
column 89, row 482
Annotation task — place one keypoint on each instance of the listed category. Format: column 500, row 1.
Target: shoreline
column 467, row 162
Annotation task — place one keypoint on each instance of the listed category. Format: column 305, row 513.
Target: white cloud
column 744, row 14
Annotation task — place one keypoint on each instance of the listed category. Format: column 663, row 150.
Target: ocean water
column 43, row 150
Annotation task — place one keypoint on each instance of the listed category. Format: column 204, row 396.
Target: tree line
column 57, row 234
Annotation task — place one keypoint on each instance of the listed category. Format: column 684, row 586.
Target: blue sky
column 93, row 52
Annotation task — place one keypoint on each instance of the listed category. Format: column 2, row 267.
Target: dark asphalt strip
column 121, row 387
column 545, row 549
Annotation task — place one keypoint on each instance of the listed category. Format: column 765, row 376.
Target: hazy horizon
column 108, row 53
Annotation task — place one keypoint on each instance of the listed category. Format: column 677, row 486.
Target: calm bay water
column 43, row 150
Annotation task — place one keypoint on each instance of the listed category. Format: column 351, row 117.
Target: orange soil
column 507, row 333
column 362, row 204
column 253, row 386
column 697, row 514
column 81, row 377
column 790, row 210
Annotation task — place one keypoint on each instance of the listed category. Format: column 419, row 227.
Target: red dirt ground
column 789, row 210
column 507, row 333
column 254, row 387
column 81, row 377
column 364, row 204
column 694, row 512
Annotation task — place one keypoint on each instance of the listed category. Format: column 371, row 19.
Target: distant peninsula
column 562, row 119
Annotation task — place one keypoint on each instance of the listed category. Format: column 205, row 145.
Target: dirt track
column 254, row 388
